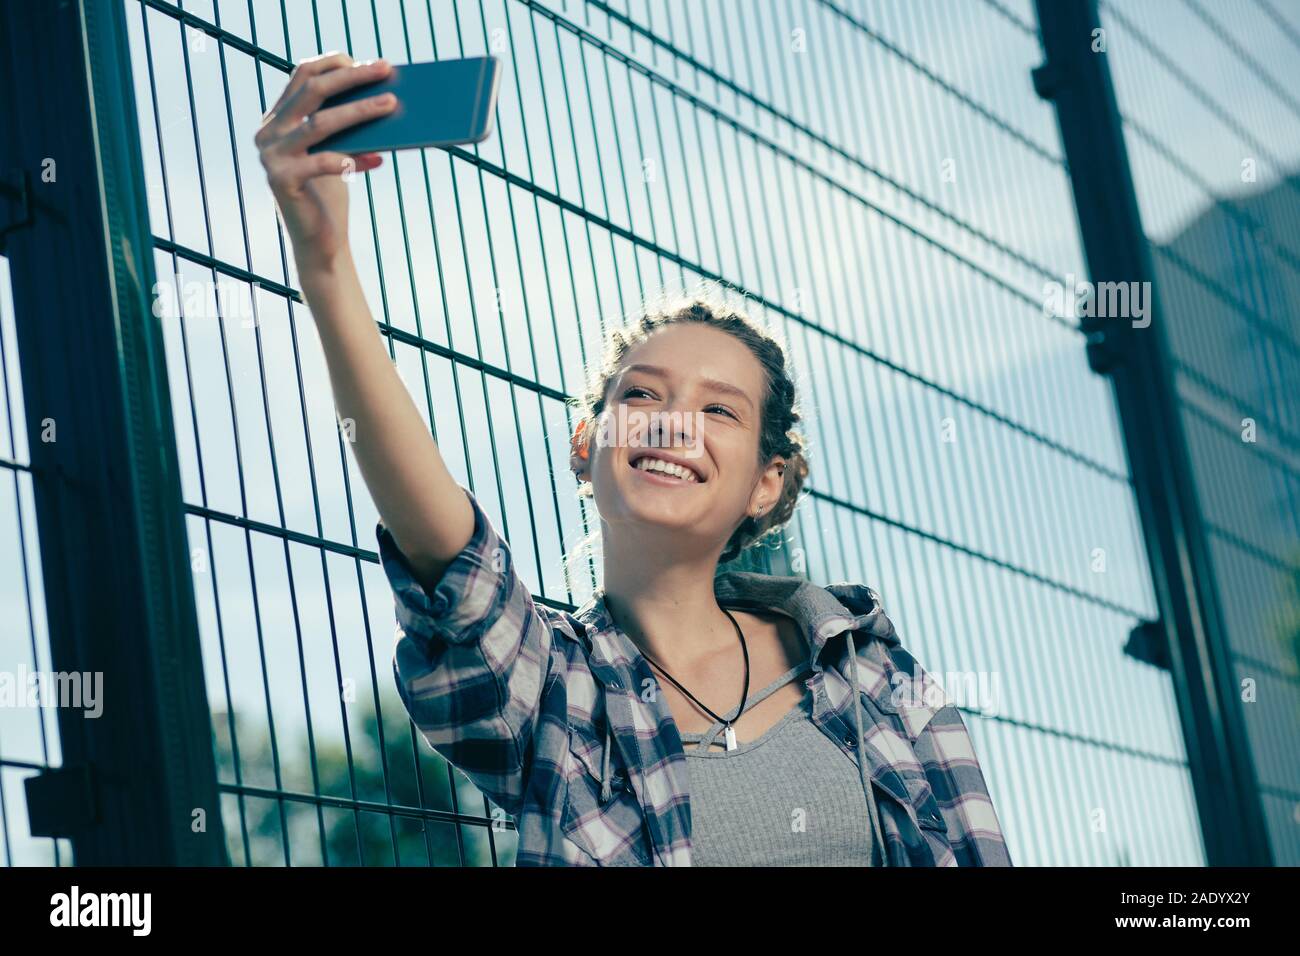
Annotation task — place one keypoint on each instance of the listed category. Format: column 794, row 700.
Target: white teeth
column 665, row 467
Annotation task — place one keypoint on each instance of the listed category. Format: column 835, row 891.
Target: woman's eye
column 635, row 388
column 722, row 408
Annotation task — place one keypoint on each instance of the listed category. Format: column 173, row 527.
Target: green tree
column 369, row 814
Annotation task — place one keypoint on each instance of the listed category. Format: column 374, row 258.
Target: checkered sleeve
column 471, row 659
column 946, row 752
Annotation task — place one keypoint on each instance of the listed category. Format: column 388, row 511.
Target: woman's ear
column 769, row 489
column 580, row 452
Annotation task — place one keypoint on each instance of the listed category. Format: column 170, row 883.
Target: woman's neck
column 665, row 603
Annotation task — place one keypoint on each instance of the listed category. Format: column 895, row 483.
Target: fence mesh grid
column 901, row 250
column 874, row 180
column 1212, row 125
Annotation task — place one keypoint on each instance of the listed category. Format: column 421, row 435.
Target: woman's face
column 689, row 398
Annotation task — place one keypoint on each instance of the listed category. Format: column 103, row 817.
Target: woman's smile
column 665, row 468
column 659, row 472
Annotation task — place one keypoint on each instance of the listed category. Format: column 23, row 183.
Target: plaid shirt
column 556, row 716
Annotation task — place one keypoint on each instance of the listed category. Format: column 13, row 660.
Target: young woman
column 681, row 716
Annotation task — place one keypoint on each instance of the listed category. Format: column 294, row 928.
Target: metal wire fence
column 1223, row 219
column 880, row 186
column 29, row 740
column 874, row 180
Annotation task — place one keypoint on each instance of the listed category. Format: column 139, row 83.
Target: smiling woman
column 705, row 461
column 688, row 443
column 686, row 440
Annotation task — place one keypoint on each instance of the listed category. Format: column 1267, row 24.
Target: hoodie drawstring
column 605, row 790
column 862, row 757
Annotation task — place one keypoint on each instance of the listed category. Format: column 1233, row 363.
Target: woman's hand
column 310, row 188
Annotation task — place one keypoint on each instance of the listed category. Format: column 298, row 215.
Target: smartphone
column 441, row 103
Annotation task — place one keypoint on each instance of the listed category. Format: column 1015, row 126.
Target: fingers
column 338, row 164
column 305, row 71
column 312, row 83
column 326, row 122
column 321, row 86
column 288, row 175
column 284, row 135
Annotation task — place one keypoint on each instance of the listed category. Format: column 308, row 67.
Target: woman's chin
column 660, row 510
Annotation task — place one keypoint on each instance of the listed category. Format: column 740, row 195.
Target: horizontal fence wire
column 1212, row 120
column 29, row 734
column 874, row 181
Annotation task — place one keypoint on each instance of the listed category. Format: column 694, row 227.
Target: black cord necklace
column 729, row 734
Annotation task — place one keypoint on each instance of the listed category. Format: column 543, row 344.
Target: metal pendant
column 731, row 738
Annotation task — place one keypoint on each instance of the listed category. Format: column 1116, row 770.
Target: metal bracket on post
column 15, row 186
column 1147, row 643
column 61, row 802
column 1047, row 81
column 1104, row 352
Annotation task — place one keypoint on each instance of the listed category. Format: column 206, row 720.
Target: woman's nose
column 675, row 428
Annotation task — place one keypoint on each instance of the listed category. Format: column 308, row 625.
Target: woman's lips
column 661, row 479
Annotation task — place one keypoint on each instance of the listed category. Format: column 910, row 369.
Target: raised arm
column 418, row 500
column 473, row 650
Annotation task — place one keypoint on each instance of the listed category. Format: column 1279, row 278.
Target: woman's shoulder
column 890, row 673
column 567, row 626
column 865, row 602
column 582, row 636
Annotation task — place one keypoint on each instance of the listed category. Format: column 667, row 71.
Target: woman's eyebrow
column 716, row 384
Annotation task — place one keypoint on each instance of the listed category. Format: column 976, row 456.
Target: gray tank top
column 787, row 798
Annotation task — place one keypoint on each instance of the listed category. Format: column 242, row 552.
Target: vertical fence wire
column 875, row 181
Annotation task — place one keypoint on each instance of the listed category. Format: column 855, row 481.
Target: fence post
column 1077, row 80
column 137, row 783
